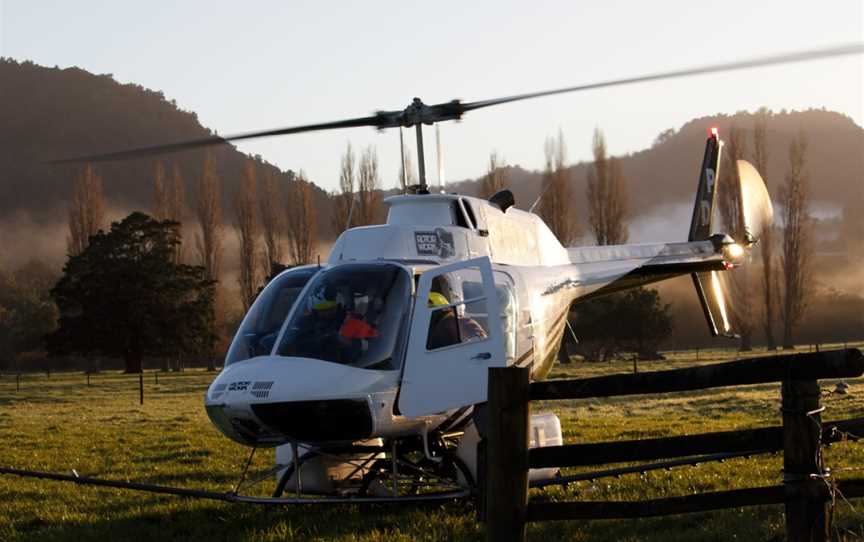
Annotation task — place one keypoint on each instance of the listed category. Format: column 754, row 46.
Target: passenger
column 446, row 328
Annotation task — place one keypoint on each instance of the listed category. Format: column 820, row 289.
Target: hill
column 666, row 172
column 49, row 113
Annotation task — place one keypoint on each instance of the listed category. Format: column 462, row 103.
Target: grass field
column 59, row 423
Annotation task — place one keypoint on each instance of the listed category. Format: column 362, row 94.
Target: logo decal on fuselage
column 434, row 243
column 242, row 385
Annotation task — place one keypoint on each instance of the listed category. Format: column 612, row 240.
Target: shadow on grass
column 205, row 521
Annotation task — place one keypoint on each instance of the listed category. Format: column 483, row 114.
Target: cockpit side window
column 260, row 327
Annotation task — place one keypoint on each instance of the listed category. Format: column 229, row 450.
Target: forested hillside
column 49, row 113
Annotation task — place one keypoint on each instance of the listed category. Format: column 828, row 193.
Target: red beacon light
column 714, row 131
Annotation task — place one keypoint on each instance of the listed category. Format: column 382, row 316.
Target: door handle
column 482, row 356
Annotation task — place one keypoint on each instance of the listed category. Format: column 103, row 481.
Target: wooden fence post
column 506, row 485
column 141, row 386
column 802, row 457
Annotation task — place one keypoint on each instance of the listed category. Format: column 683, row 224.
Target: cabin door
column 456, row 336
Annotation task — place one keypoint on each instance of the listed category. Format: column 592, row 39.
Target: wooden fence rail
column 756, row 441
column 806, row 488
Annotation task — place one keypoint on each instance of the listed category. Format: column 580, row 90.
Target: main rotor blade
column 419, row 113
column 217, row 140
column 788, row 58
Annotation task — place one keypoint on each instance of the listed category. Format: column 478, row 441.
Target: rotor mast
column 421, row 162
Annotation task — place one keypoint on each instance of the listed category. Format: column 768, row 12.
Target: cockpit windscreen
column 352, row 314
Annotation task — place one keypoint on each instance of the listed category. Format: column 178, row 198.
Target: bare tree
column 160, row 193
column 209, row 239
column 86, row 210
column 607, row 196
column 272, row 221
column 176, row 208
column 344, row 200
column 797, row 248
column 495, row 178
column 301, row 221
column 769, row 281
column 247, row 231
column 729, row 200
column 368, row 189
column 556, row 191
column 168, row 201
column 407, row 177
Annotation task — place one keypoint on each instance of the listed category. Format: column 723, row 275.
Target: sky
column 245, row 66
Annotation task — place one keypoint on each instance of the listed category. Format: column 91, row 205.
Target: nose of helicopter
column 269, row 400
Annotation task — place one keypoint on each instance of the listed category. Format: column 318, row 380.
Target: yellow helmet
column 437, row 300
column 325, row 305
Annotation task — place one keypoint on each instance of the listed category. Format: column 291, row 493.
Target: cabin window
column 470, row 212
column 464, row 215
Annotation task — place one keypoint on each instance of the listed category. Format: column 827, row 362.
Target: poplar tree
column 248, row 233
column 86, row 210
column 607, row 196
column 555, row 199
column 796, row 258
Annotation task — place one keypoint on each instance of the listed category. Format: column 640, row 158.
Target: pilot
column 446, row 328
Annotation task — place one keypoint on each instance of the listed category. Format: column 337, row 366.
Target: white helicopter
column 368, row 373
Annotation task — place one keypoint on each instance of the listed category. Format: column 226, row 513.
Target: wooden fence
column 806, row 489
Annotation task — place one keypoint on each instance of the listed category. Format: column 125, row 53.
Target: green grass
column 60, row 424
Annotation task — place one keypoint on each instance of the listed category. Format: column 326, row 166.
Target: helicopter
column 367, row 372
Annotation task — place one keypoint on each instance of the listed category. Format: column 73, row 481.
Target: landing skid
column 397, row 473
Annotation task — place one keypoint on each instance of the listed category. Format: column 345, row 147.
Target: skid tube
column 233, row 497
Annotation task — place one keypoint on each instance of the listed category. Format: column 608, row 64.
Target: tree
column 607, row 196
column 729, row 202
column 160, row 193
column 124, row 296
column 301, row 221
column 344, row 204
column 177, row 207
column 797, row 248
column 86, row 211
column 272, row 221
column 769, row 281
column 634, row 321
column 209, row 239
column 495, row 178
column 407, row 177
column 555, row 199
column 168, row 200
column 247, row 232
column 368, row 189
column 27, row 312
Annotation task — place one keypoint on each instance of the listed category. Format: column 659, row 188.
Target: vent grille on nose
column 261, row 390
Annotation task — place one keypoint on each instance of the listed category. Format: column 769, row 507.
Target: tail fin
column 703, row 211
column 700, row 230
column 754, row 214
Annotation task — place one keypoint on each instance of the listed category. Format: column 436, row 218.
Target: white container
column 545, row 430
column 322, row 474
